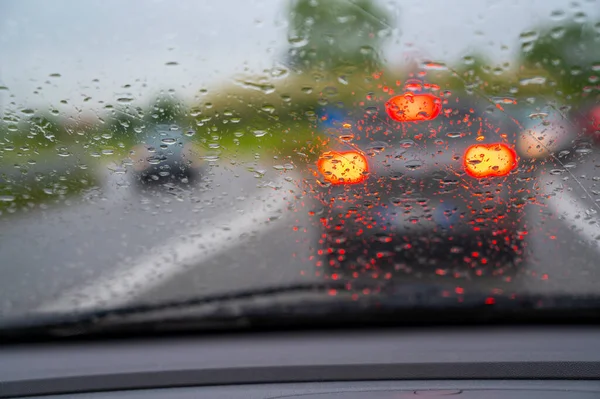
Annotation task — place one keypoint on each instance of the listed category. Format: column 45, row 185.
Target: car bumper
column 167, row 172
column 457, row 229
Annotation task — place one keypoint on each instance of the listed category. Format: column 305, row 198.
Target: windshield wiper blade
column 98, row 315
column 334, row 304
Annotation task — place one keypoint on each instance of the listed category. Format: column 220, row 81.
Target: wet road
column 50, row 255
column 235, row 231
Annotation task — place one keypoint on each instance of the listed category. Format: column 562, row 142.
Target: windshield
column 157, row 151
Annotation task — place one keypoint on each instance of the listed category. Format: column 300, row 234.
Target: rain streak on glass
column 151, row 153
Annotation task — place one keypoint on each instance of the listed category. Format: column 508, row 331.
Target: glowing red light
column 487, row 160
column 343, row 167
column 410, row 107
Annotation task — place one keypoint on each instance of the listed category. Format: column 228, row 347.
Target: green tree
column 123, row 121
column 47, row 126
column 569, row 52
column 165, row 109
column 472, row 74
column 329, row 34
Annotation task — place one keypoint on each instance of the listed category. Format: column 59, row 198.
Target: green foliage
column 568, row 52
column 331, row 34
column 165, row 109
column 123, row 121
column 50, row 188
column 48, row 126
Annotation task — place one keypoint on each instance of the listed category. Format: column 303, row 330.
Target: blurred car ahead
column 166, row 154
column 418, row 212
column 587, row 120
column 544, row 133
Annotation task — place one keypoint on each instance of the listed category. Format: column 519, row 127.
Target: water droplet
column 580, row 17
column 297, row 41
column 279, row 72
column 366, row 50
column 557, row 15
column 172, row 63
column 528, row 36
column 287, row 166
column 406, row 143
column 557, row 32
column 371, row 110
column 451, row 181
column 434, row 66
column 266, row 88
column 504, row 100
column 413, row 164
column 527, row 47
column 537, row 80
column 346, row 137
column 154, row 160
column 376, row 147
column 168, row 140
column 398, row 201
column 28, row 111
column 259, row 133
column 468, row 60
column 538, row 115
column 563, row 153
column 385, row 238
column 268, row 108
column 55, row 75
column 307, row 89
column 7, row 198
column 259, row 173
column 343, row 80
column 584, row 151
column 63, row 152
column 124, row 100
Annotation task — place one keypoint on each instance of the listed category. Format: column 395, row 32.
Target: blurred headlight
column 543, row 140
column 139, row 155
column 192, row 155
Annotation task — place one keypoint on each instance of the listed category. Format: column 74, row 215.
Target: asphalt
column 238, row 229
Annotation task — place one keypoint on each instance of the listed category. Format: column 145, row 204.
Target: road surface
column 239, row 229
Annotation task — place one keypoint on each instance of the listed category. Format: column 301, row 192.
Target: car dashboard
column 490, row 362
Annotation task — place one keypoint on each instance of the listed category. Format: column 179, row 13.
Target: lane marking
column 572, row 209
column 130, row 280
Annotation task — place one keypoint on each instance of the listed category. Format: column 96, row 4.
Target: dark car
column 418, row 211
column 166, row 154
column 587, row 119
column 546, row 134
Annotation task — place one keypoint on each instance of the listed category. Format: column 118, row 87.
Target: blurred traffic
column 166, row 154
column 347, row 151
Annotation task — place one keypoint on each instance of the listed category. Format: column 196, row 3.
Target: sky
column 88, row 53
